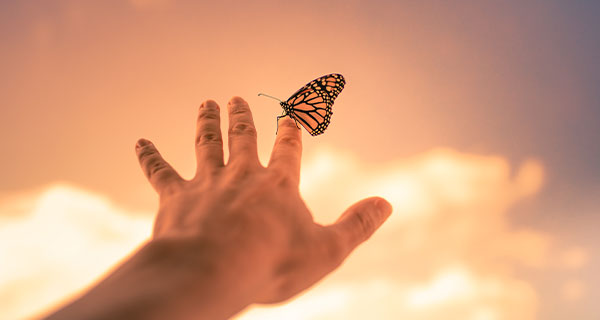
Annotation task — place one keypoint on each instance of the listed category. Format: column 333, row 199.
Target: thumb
column 360, row 221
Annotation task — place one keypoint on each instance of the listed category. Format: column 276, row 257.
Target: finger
column 209, row 141
column 287, row 151
column 242, row 133
column 359, row 222
column 160, row 174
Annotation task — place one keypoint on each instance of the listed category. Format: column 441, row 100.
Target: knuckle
column 213, row 172
column 208, row 137
column 240, row 171
column 146, row 152
column 284, row 181
column 243, row 128
column 289, row 140
column 158, row 168
column 149, row 164
column 277, row 173
column 283, row 178
column 239, row 108
column 208, row 114
column 366, row 225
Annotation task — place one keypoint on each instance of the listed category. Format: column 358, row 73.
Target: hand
column 239, row 233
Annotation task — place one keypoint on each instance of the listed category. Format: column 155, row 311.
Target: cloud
column 448, row 251
column 56, row 241
column 453, row 293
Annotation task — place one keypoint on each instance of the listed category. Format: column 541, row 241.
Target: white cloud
column 448, row 251
column 57, row 243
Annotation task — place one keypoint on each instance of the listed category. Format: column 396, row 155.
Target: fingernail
column 209, row 104
column 142, row 142
column 236, row 100
column 383, row 206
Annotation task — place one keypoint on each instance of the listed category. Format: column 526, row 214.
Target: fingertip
column 141, row 143
column 360, row 221
column 236, row 100
column 287, row 122
column 383, row 206
column 209, row 104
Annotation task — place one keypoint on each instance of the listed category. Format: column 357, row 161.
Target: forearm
column 161, row 281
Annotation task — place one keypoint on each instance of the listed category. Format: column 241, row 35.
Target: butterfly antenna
column 266, row 95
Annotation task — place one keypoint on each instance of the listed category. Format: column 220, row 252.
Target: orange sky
column 477, row 121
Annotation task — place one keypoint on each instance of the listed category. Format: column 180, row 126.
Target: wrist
column 207, row 280
column 168, row 279
column 195, row 278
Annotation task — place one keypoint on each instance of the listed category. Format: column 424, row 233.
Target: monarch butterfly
column 311, row 105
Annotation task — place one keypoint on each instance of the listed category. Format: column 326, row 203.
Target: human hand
column 235, row 234
column 253, row 216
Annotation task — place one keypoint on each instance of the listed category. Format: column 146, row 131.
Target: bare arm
column 236, row 234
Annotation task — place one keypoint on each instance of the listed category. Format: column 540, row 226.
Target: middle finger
column 209, row 143
column 242, row 133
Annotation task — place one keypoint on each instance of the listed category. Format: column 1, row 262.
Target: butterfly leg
column 284, row 114
column 278, row 117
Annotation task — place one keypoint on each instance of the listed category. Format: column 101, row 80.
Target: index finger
column 287, row 151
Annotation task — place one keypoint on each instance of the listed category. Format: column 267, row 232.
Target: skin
column 234, row 235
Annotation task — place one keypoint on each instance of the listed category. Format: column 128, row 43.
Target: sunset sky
column 477, row 120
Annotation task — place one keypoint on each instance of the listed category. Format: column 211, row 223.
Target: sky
column 476, row 119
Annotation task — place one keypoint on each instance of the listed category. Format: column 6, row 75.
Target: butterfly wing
column 311, row 105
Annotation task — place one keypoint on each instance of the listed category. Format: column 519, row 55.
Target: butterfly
column 311, row 105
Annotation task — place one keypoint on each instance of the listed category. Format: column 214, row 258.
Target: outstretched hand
column 237, row 233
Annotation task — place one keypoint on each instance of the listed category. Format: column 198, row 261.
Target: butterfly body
column 311, row 105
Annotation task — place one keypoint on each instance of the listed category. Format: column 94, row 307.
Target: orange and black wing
column 311, row 105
